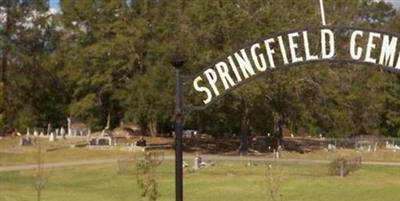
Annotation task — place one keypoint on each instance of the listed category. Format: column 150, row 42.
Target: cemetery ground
column 60, row 151
column 230, row 179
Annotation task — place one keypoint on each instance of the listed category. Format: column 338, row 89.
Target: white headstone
column 62, row 131
column 196, row 162
column 48, row 129
column 52, row 137
column 69, row 127
column 89, row 134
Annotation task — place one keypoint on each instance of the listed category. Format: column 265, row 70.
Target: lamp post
column 177, row 61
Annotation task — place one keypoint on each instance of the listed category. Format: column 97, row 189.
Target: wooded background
column 100, row 57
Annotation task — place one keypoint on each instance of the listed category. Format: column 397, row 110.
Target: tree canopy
column 96, row 58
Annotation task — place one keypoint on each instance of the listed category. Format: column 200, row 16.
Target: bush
column 146, row 176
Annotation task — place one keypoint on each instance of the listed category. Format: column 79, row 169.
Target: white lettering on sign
column 294, row 48
column 355, row 52
column 223, row 72
column 257, row 58
column 327, row 34
column 283, row 50
column 270, row 52
column 388, row 51
column 309, row 57
column 202, row 89
column 212, row 80
column 244, row 63
column 371, row 46
column 234, row 68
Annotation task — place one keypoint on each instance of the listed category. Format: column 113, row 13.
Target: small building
column 124, row 134
column 103, row 138
column 130, row 129
column 77, row 128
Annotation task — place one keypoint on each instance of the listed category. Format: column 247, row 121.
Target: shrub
column 146, row 176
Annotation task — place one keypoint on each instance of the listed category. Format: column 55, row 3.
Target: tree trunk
column 244, row 128
column 153, row 128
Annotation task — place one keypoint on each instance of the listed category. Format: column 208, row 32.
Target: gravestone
column 28, row 133
column 331, row 147
column 52, row 137
column 25, row 141
column 48, row 129
column 62, row 131
column 197, row 162
column 69, row 127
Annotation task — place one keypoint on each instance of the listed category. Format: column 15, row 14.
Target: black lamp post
column 177, row 60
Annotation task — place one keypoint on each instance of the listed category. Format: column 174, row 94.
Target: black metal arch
column 287, row 66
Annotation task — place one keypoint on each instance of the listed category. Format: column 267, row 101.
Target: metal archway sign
column 294, row 48
column 279, row 51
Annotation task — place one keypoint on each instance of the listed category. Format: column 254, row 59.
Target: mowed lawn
column 12, row 154
column 226, row 181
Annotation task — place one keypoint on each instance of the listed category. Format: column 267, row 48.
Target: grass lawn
column 11, row 154
column 379, row 156
column 226, row 181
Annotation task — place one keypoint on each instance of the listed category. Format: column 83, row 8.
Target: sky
column 54, row 4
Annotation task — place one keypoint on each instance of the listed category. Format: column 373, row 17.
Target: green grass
column 379, row 156
column 11, row 154
column 227, row 181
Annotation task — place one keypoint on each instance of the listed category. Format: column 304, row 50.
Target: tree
column 28, row 37
column 111, row 57
column 101, row 57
